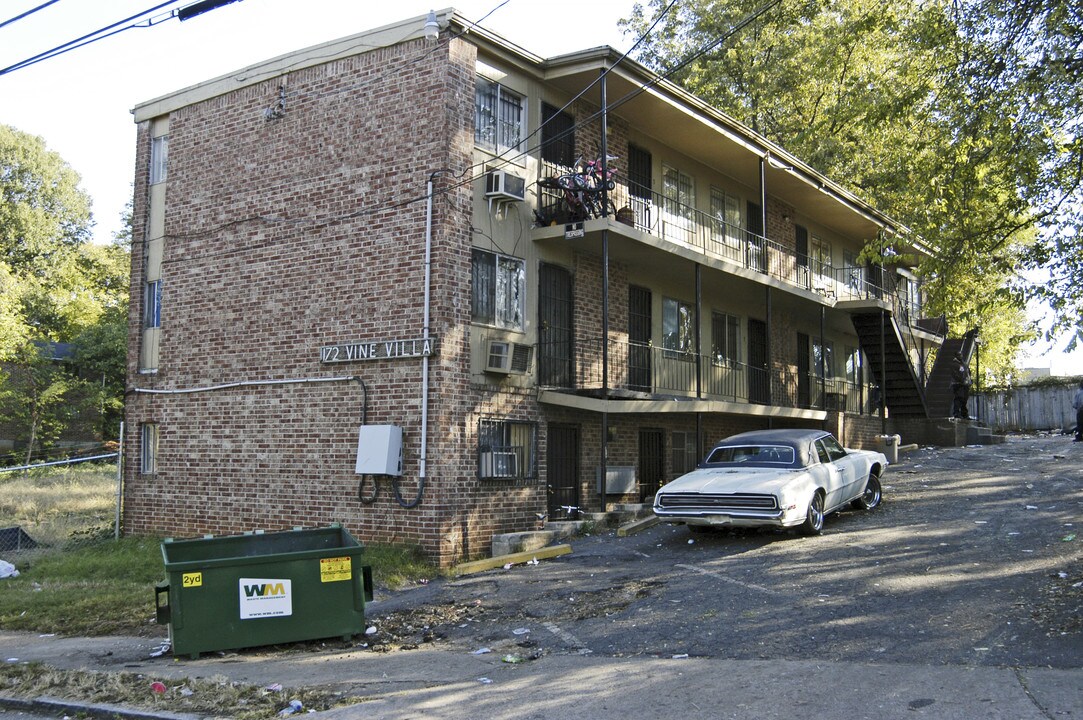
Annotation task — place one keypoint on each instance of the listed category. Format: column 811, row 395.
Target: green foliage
column 56, row 286
column 941, row 114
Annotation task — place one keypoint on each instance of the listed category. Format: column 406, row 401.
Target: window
column 725, row 218
column 684, row 452
column 724, row 339
column 679, row 191
column 855, row 274
column 498, row 117
column 829, row 446
column 498, row 289
column 823, row 359
column 507, row 450
column 820, row 257
column 148, row 448
column 855, row 367
column 678, row 326
column 558, row 136
column 152, row 304
column 159, row 158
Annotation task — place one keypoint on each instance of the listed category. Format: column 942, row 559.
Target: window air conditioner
column 506, row 357
column 502, row 185
column 499, row 464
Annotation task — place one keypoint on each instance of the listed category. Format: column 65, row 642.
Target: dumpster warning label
column 335, row 569
column 264, row 597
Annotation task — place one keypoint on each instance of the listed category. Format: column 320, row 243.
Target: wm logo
column 264, row 590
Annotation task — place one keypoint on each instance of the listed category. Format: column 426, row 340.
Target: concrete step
column 557, row 531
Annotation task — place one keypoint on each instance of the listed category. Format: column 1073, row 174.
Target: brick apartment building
column 296, row 287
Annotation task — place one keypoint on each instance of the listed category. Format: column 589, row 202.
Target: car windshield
column 778, row 454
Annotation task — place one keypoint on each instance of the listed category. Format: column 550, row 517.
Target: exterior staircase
column 890, row 363
column 938, row 391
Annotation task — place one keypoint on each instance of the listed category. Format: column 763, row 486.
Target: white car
column 774, row 478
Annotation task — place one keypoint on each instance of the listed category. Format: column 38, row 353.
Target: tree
column 885, row 95
column 58, row 288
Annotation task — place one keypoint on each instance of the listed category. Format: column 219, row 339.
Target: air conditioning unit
column 502, row 356
column 503, row 185
column 499, row 464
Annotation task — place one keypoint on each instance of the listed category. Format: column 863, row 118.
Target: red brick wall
column 272, row 228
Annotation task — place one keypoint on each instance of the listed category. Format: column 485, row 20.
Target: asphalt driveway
column 975, row 558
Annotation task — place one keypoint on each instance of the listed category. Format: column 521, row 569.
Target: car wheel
column 872, row 496
column 814, row 516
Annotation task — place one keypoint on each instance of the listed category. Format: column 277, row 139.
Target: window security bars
column 507, row 449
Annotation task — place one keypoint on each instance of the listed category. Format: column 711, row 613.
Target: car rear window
column 774, row 454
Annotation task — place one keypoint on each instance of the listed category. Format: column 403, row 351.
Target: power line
column 31, row 11
column 184, row 13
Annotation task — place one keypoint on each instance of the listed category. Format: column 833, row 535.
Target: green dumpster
column 238, row 591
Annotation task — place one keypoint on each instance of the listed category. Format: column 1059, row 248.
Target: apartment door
column 554, row 326
column 639, row 339
column 652, row 467
column 759, row 384
column 562, row 470
column 800, row 233
column 804, row 394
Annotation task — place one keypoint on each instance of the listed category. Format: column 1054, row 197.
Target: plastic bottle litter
column 295, row 706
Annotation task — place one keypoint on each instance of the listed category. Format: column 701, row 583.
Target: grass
column 79, row 581
column 213, row 697
column 57, row 508
column 108, row 588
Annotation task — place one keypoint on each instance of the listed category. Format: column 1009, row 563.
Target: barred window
column 498, row 117
column 498, row 289
column 507, row 449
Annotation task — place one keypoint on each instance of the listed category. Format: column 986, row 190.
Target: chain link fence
column 58, row 506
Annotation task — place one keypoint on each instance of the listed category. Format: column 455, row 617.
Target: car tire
column 872, row 496
column 814, row 516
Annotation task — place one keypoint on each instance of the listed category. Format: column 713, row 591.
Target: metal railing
column 662, row 373
column 711, row 235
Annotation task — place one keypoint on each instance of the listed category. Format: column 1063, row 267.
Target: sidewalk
column 435, row 683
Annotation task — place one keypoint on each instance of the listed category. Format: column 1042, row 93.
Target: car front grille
column 739, row 501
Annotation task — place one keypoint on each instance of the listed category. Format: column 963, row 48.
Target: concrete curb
column 55, row 706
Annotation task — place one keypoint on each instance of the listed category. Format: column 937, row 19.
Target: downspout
column 423, row 460
column 425, row 333
column 605, row 300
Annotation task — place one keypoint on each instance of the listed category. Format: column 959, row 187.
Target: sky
column 80, row 102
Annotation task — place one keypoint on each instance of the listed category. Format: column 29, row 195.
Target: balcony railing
column 660, row 373
column 689, row 227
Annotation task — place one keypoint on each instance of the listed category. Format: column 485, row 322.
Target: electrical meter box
column 379, row 450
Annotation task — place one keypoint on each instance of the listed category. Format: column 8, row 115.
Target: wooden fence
column 1025, row 408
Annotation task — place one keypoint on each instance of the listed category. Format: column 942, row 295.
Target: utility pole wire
column 79, row 42
column 119, row 26
column 31, row 11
